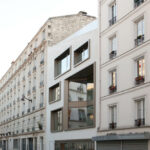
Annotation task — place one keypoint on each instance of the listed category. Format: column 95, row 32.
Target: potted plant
column 40, row 125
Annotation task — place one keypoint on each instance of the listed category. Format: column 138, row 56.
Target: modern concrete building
column 23, row 89
column 124, row 116
column 73, row 76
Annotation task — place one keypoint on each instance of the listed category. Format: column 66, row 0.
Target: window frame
column 77, row 53
column 59, row 59
column 51, row 90
column 52, row 122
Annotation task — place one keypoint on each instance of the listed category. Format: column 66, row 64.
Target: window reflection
column 81, row 99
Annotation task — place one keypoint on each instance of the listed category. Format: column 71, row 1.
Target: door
column 23, row 144
column 111, row 145
column 30, row 143
column 135, row 145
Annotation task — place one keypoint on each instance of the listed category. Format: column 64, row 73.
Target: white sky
column 21, row 19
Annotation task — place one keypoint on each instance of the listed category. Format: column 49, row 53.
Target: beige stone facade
column 23, row 121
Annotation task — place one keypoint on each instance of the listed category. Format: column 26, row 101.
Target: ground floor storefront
column 74, row 145
column 22, row 143
column 123, row 142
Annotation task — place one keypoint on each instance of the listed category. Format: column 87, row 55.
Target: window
column 113, row 47
column 42, row 58
column 41, row 143
column 140, row 112
column 113, row 116
column 62, row 63
column 74, row 145
column 81, row 99
column 43, row 35
column 138, row 3
column 140, row 77
column 82, row 53
column 56, row 122
column 113, row 14
column 113, row 81
column 140, row 32
column 54, row 93
column 41, row 99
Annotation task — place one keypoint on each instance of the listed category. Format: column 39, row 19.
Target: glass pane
column 81, row 91
column 81, row 117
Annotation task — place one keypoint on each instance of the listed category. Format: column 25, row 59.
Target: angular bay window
column 82, row 53
column 113, row 116
column 62, row 63
column 56, row 122
column 140, row 32
column 81, row 99
column 113, row 81
column 113, row 47
column 140, row 112
column 54, row 93
column 140, row 78
column 113, row 13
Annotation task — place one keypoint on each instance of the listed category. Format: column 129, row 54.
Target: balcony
column 40, row 126
column 139, row 40
column 33, row 128
column 34, row 89
column 28, row 110
column 112, row 125
column 29, row 73
column 112, row 21
column 34, row 69
column 138, row 3
column 139, row 80
column 41, row 84
column 139, row 122
column 41, row 105
column 112, row 54
column 29, row 92
column 23, row 113
column 33, row 108
column 112, row 89
column 23, row 79
column 42, row 62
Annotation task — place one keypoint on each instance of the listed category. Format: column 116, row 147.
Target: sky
column 21, row 19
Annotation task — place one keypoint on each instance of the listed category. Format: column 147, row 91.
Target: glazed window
column 54, row 93
column 56, row 122
column 113, row 81
column 140, row 32
column 81, row 99
column 113, row 47
column 82, row 53
column 140, row 77
column 62, row 63
column 140, row 112
column 138, row 3
column 113, row 116
column 113, row 14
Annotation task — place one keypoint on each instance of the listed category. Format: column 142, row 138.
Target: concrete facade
column 23, row 122
column 66, row 135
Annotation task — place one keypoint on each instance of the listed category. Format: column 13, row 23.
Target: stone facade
column 22, row 122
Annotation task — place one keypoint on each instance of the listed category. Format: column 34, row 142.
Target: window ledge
column 58, row 76
column 77, row 64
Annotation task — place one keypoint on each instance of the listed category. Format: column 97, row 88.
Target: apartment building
column 73, row 91
column 124, row 121
column 23, row 88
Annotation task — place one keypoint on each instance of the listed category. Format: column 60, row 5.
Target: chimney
column 82, row 13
